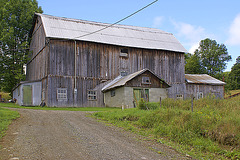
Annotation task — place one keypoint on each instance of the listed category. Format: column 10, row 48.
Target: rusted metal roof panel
column 123, row 35
column 202, row 79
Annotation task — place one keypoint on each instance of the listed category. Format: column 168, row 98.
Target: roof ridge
column 137, row 28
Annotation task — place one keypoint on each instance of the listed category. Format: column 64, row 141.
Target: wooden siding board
column 94, row 60
column 217, row 90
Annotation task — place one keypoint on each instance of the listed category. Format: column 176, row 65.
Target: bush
column 152, row 105
column 143, row 105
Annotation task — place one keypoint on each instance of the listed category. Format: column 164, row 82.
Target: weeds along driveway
column 70, row 135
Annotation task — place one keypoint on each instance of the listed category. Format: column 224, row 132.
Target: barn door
column 27, row 95
column 141, row 93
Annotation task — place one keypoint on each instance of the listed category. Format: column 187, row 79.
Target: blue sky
column 190, row 21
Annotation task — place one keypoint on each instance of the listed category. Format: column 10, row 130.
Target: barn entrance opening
column 141, row 93
column 27, row 95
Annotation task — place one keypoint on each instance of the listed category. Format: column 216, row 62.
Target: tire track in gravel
column 70, row 135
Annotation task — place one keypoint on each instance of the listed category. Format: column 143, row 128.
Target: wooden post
column 160, row 102
column 122, row 106
column 192, row 103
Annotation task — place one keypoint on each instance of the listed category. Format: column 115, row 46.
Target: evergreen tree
column 16, row 18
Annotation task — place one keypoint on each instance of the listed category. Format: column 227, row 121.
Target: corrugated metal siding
column 139, row 37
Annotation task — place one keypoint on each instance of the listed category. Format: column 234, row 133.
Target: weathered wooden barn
column 202, row 85
column 127, row 90
column 74, row 65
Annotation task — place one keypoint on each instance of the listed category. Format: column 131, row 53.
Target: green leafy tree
column 213, row 56
column 193, row 64
column 234, row 76
column 16, row 18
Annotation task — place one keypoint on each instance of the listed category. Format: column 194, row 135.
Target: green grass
column 231, row 92
column 212, row 131
column 12, row 105
column 6, row 116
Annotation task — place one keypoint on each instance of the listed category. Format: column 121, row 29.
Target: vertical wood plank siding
column 216, row 90
column 37, row 67
column 104, row 61
column 97, row 62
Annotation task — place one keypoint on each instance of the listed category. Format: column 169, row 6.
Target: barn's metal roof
column 122, row 80
column 122, row 35
column 202, row 79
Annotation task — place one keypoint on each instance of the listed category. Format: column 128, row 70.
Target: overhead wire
column 117, row 21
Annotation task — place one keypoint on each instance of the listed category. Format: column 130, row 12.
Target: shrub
column 142, row 104
column 152, row 105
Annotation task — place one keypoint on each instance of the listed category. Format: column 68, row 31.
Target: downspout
column 75, row 68
column 75, row 73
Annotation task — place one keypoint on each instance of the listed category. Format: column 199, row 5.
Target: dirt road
column 68, row 135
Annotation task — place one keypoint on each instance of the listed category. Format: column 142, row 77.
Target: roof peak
column 118, row 34
column 106, row 24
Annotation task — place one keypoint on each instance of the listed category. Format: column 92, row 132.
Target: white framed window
column 92, row 95
column 146, row 80
column 62, row 93
column 179, row 96
column 199, row 95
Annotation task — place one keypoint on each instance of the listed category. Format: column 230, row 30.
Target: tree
column 213, row 56
column 193, row 64
column 16, row 18
column 234, row 76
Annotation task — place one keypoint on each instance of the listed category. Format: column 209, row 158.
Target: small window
column 179, row 96
column 124, row 52
column 123, row 73
column 92, row 95
column 112, row 93
column 62, row 93
column 199, row 95
column 146, row 80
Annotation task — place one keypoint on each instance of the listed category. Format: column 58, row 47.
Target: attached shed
column 202, row 85
column 28, row 93
column 128, row 90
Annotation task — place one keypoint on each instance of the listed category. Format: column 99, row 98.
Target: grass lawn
column 231, row 92
column 211, row 131
column 6, row 117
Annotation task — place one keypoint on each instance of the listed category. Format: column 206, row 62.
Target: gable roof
column 202, row 79
column 122, row 35
column 122, row 80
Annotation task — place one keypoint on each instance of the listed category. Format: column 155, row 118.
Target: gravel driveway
column 70, row 135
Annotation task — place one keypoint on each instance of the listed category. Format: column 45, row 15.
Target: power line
column 117, row 21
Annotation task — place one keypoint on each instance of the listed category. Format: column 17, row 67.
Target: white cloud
column 193, row 48
column 190, row 32
column 157, row 22
column 190, row 35
column 234, row 31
